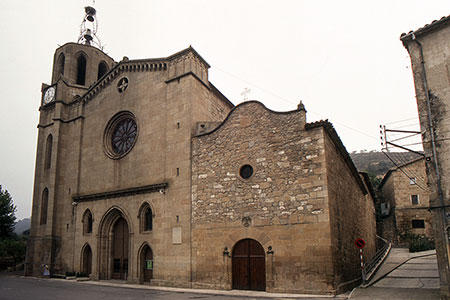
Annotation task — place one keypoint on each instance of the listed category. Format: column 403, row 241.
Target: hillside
column 22, row 225
column 377, row 163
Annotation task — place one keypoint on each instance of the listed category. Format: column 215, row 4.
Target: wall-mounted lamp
column 225, row 252
column 269, row 250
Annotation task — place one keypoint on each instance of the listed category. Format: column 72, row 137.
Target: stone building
column 146, row 173
column 285, row 185
column 405, row 201
column 429, row 50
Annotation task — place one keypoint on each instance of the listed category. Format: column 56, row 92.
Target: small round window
column 122, row 85
column 246, row 171
column 120, row 135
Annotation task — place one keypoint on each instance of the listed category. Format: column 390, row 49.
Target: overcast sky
column 344, row 59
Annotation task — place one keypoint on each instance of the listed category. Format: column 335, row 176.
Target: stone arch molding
column 143, row 206
column 105, row 235
column 248, row 233
column 141, row 216
column 110, row 216
column 140, row 254
column 83, row 258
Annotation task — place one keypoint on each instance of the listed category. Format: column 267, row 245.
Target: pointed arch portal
column 249, row 266
column 120, row 249
column 114, row 246
column 146, row 260
column 87, row 260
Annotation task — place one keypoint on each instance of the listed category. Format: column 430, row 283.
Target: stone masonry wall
column 432, row 59
column 389, row 230
column 351, row 216
column 405, row 210
column 282, row 205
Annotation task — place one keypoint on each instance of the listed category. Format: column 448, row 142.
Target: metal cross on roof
column 245, row 93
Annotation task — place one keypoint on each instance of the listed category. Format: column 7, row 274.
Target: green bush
column 417, row 242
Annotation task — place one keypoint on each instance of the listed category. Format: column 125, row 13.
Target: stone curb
column 234, row 293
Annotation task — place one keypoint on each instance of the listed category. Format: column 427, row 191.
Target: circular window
column 122, row 84
column 246, row 171
column 120, row 135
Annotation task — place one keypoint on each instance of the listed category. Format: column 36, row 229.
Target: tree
column 7, row 214
column 15, row 248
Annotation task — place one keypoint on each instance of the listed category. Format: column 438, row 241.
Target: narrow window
column 418, row 223
column 48, row 152
column 102, row 69
column 89, row 227
column 81, row 70
column 415, row 199
column 148, row 219
column 412, row 180
column 87, row 222
column 44, row 206
column 60, row 65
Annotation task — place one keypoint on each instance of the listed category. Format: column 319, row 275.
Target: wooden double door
column 120, row 250
column 249, row 266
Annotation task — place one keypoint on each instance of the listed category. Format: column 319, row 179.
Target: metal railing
column 371, row 267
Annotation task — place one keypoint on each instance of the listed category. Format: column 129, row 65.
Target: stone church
column 147, row 173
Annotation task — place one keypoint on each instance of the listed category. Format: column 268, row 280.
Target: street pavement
column 403, row 275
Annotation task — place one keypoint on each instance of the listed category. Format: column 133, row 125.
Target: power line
column 403, row 171
column 394, row 122
column 295, row 103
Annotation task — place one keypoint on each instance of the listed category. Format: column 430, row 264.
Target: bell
column 87, row 35
column 90, row 12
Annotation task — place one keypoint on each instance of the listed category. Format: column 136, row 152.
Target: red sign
column 360, row 243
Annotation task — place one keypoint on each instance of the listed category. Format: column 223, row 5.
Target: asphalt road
column 18, row 288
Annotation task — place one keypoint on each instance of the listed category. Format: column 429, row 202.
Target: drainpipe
column 433, row 143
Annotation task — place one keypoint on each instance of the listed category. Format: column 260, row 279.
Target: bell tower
column 77, row 66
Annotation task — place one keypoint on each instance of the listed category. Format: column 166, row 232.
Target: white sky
column 344, row 59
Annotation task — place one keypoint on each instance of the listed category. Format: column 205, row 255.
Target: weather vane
column 245, row 93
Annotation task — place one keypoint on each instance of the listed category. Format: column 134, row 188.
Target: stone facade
column 298, row 204
column 166, row 97
column 408, row 202
column 139, row 177
column 429, row 50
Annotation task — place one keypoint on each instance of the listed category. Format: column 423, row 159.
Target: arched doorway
column 87, row 260
column 119, row 248
column 146, row 263
column 249, row 266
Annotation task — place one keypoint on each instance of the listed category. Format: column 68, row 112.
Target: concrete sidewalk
column 403, row 275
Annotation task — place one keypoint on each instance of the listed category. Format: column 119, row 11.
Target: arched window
column 87, row 222
column 81, row 69
column 102, row 69
column 148, row 222
column 44, row 206
column 48, row 152
column 60, row 65
column 146, row 217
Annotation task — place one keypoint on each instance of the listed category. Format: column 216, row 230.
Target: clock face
column 49, row 95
